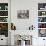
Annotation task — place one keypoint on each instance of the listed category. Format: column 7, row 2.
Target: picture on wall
column 23, row 14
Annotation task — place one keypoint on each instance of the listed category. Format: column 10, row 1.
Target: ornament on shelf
column 13, row 27
column 31, row 27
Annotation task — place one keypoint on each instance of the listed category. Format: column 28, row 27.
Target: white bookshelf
column 42, row 14
column 42, row 19
column 4, row 17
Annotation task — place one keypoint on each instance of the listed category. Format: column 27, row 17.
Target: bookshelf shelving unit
column 4, row 19
column 42, row 19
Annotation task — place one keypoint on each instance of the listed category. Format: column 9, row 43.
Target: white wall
column 32, row 6
column 23, row 24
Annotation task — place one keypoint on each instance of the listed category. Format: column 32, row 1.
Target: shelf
column 3, row 10
column 3, row 22
column 41, row 28
column 3, row 16
column 41, row 10
column 41, row 22
column 42, row 16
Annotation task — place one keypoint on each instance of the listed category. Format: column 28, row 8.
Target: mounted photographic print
column 23, row 14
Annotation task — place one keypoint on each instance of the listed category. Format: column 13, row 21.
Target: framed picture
column 23, row 14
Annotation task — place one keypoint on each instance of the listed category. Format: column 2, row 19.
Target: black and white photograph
column 23, row 14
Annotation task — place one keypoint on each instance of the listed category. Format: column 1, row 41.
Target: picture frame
column 23, row 14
